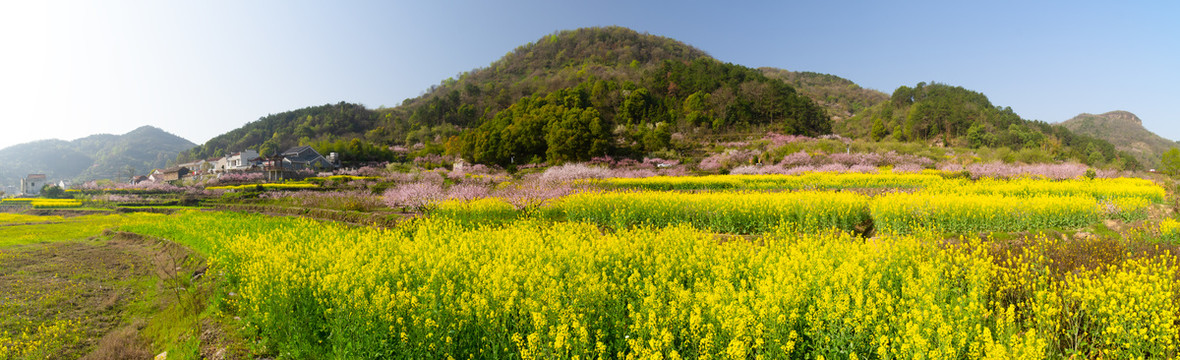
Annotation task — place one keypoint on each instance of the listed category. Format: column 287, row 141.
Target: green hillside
column 1125, row 131
column 277, row 132
column 841, row 97
column 101, row 156
column 568, row 96
column 945, row 115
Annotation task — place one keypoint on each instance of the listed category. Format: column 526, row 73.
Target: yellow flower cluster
column 268, row 186
column 725, row 212
column 902, row 213
column 534, row 289
column 343, row 178
column 944, row 205
column 40, row 203
column 1169, row 230
column 1098, row 188
column 1096, row 299
column 929, row 181
column 9, row 218
column 39, row 341
column 479, row 211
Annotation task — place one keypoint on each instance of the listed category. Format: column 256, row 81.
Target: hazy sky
column 200, row 68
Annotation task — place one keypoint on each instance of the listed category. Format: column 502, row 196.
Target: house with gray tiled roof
column 295, row 160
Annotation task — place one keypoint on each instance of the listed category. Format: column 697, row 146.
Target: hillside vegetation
column 277, row 132
column 626, row 92
column 841, row 97
column 102, row 156
column 945, row 115
column 1125, row 131
column 579, row 94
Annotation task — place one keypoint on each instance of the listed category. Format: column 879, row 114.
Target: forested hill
column 946, row 115
column 841, row 97
column 1125, row 131
column 567, row 96
column 275, row 133
column 102, row 156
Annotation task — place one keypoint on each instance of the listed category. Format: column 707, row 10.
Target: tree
column 53, row 192
column 977, row 136
column 1096, row 158
column 1170, row 163
column 578, row 135
column 878, row 130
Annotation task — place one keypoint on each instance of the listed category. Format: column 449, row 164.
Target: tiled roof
column 301, row 154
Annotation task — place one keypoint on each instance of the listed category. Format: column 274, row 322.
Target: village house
column 196, row 166
column 173, row 173
column 157, row 175
column 294, row 160
column 304, row 157
column 245, row 160
column 31, row 185
column 213, row 165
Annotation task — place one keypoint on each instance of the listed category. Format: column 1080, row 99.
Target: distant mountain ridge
column 1125, row 130
column 102, row 156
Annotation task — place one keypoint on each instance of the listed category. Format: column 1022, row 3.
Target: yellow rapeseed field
column 533, row 289
column 726, row 212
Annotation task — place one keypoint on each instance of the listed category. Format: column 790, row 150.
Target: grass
column 7, row 218
column 68, row 291
column 62, row 229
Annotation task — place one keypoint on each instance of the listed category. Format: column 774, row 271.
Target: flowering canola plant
column 902, row 213
column 40, row 203
column 267, row 186
column 533, row 289
column 726, row 212
column 1098, row 188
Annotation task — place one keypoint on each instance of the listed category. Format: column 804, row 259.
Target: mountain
column 102, row 156
column 568, row 96
column 841, row 97
column 945, row 115
column 577, row 94
column 1125, row 131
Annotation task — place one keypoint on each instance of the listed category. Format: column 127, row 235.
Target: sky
column 197, row 69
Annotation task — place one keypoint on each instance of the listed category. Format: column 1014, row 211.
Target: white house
column 31, row 185
column 243, row 160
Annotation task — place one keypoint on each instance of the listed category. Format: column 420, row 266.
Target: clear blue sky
column 201, row 68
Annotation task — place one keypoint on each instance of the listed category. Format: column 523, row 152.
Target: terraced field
column 920, row 267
